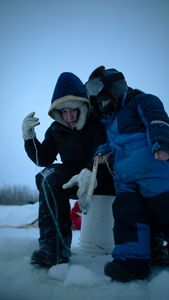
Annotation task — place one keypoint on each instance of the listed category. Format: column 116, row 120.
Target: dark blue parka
column 140, row 128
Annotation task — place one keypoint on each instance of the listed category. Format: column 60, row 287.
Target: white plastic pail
column 97, row 227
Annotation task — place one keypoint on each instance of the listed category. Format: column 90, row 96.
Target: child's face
column 105, row 102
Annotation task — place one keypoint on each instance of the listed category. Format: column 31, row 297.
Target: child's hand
column 161, row 155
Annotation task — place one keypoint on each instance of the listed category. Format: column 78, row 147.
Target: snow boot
column 51, row 254
column 127, row 270
column 45, row 259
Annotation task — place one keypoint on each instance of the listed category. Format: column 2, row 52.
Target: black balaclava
column 108, row 86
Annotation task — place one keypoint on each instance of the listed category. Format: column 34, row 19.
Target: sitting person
column 75, row 134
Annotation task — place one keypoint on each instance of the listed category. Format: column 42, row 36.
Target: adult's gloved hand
column 82, row 180
column 29, row 122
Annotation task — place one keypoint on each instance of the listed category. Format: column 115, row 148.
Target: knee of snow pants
column 131, row 227
column 54, row 206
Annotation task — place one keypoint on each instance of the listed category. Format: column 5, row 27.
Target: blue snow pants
column 142, row 188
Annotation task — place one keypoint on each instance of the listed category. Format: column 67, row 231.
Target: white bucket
column 97, row 227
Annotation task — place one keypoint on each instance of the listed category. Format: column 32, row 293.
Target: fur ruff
column 70, row 102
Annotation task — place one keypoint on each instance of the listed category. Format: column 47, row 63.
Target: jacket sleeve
column 103, row 149
column 42, row 154
column 156, row 120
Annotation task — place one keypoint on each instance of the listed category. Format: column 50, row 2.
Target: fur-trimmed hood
column 69, row 92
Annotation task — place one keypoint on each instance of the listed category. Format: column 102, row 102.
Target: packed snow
column 82, row 279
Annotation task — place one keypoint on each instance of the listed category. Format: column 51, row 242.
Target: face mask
column 105, row 102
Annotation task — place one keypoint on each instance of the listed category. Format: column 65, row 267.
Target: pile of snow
column 18, row 214
column 68, row 274
column 82, row 279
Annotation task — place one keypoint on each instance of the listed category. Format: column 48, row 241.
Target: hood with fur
column 69, row 92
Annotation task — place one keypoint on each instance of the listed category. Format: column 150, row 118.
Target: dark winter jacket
column 144, row 113
column 76, row 147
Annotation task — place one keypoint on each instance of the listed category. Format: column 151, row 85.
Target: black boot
column 127, row 270
column 50, row 254
column 54, row 245
column 45, row 259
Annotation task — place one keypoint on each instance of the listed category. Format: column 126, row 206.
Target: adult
column 75, row 135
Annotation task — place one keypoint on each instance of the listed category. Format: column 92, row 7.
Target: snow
column 82, row 279
column 18, row 214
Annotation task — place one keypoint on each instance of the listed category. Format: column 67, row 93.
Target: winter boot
column 127, row 270
column 51, row 253
column 45, row 259
column 160, row 254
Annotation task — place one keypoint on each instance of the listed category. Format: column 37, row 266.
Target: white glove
column 28, row 126
column 82, row 180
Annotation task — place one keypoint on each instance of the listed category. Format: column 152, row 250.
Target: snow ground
column 82, row 279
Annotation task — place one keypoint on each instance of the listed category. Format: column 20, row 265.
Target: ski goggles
column 94, row 86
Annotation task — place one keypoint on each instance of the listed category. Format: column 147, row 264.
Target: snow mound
column 68, row 274
column 18, row 214
column 58, row 272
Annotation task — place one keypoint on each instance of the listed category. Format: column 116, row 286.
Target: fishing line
column 54, row 216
